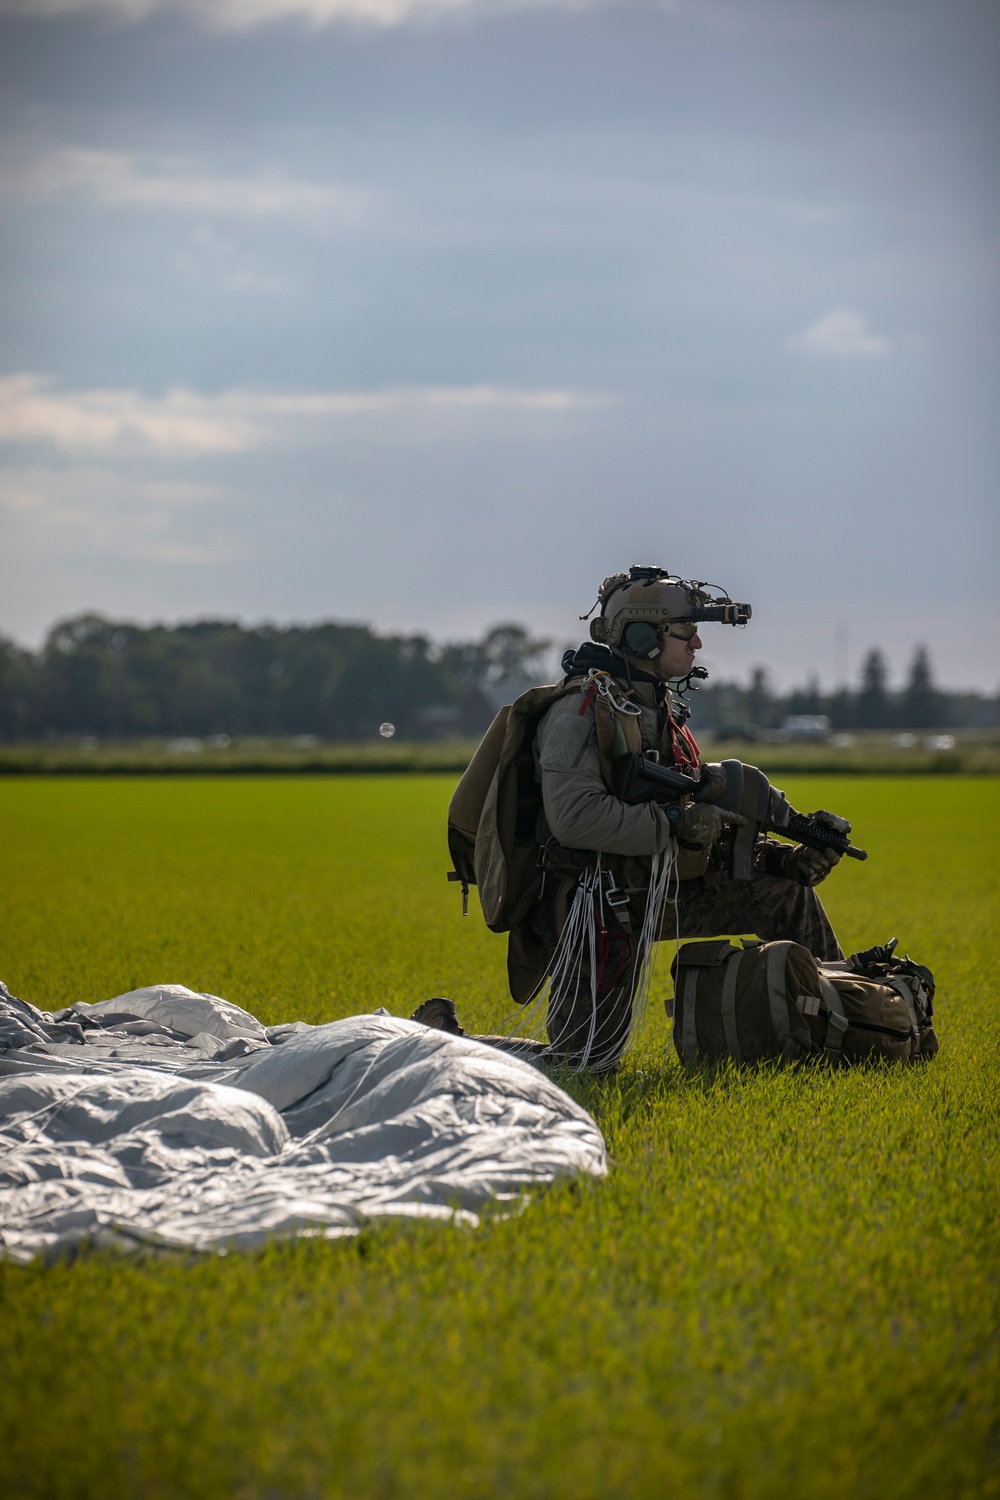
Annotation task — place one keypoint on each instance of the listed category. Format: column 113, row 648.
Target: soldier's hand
column 809, row 866
column 713, row 783
column 702, row 823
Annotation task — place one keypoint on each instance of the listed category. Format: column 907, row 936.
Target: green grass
column 787, row 1286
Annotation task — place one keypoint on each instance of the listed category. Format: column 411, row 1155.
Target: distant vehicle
column 807, row 727
column 738, row 731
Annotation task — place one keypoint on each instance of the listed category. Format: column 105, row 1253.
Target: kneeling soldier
column 605, row 878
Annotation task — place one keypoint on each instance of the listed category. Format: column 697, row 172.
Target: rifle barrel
column 817, row 836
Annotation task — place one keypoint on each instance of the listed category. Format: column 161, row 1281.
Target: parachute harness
column 598, row 945
column 601, row 684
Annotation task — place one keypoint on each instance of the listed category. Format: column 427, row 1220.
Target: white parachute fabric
column 171, row 1118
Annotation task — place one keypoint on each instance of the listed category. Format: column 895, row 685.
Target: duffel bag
column 775, row 1000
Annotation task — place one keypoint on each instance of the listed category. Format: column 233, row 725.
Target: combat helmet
column 636, row 607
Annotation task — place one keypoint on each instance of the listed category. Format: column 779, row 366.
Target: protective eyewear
column 683, row 630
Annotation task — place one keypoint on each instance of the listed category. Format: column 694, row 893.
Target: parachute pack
column 493, row 814
column 775, row 1000
column 494, row 810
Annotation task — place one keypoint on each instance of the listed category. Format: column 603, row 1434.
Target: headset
column 643, row 639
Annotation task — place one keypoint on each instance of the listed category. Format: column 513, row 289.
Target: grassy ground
column 974, row 753
column 787, row 1286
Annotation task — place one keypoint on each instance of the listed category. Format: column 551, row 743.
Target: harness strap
column 729, row 1006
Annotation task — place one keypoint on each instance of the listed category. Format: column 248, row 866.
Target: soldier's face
column 677, row 656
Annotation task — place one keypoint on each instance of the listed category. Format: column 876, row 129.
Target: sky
column 432, row 313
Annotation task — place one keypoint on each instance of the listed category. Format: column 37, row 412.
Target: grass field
column 787, row 1286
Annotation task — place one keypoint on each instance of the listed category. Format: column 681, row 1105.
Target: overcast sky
column 430, row 313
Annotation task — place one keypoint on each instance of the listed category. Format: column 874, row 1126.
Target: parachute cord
column 577, row 943
column 578, row 961
column 664, row 886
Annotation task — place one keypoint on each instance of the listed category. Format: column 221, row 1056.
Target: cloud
column 180, row 424
column 120, row 178
column 186, row 424
column 113, row 514
column 242, row 15
column 213, row 258
column 841, row 334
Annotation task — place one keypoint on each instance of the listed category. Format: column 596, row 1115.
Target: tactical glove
column 807, row 866
column 713, row 783
column 702, row 823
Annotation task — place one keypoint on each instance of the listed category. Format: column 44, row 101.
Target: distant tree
column 873, row 709
column 761, row 707
column 507, row 654
column 805, row 700
column 340, row 681
column 18, row 691
column 842, row 708
column 921, row 705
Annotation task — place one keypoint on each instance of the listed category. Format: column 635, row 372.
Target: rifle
column 747, row 791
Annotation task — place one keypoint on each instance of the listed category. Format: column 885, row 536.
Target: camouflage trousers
column 596, row 1036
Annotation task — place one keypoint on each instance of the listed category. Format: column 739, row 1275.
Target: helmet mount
column 637, row 606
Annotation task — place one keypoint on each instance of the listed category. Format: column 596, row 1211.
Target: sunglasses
column 683, row 630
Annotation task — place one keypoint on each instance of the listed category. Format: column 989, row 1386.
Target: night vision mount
column 705, row 601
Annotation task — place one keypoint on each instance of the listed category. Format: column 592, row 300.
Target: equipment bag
column 775, row 1000
column 494, row 810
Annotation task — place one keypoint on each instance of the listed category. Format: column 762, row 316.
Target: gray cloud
column 242, row 15
column 97, row 510
column 121, row 178
column 185, row 423
column 840, row 334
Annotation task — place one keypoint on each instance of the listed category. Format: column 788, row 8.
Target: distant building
column 807, row 727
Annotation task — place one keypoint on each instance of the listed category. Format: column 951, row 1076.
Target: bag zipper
column 881, row 1030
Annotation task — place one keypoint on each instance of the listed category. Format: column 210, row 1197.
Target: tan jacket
column 579, row 809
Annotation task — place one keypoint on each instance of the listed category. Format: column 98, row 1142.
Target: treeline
column 731, row 709
column 215, row 677
column 112, row 680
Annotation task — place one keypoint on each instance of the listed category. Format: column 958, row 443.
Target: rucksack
column 494, row 811
column 775, row 1000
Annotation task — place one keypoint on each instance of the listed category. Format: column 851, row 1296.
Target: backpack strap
column 794, row 1040
column 906, row 995
column 689, row 1028
column 729, row 1006
column 615, row 733
column 836, row 1018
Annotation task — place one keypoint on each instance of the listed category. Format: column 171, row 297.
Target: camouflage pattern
column 768, row 907
column 712, row 905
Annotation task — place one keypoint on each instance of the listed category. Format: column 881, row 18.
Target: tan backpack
column 494, row 810
column 775, row 1000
